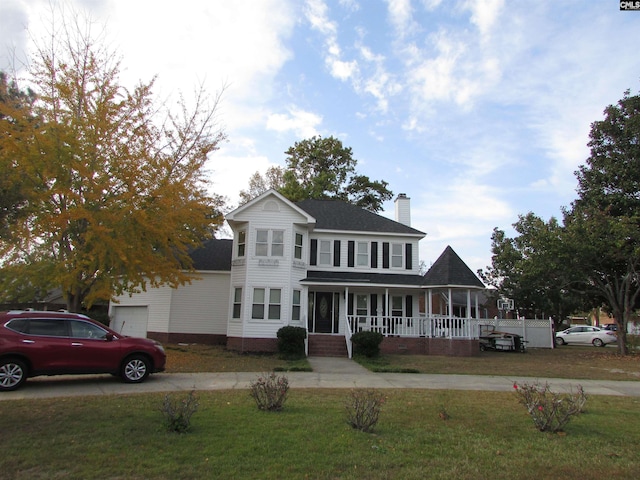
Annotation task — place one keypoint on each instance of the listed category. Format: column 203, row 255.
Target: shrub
column 177, row 414
column 550, row 411
column 291, row 341
column 270, row 391
column 363, row 409
column 367, row 343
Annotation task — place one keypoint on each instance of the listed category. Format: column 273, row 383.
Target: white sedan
column 598, row 337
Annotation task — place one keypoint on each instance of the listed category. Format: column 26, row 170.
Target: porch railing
column 348, row 331
column 434, row 326
column 537, row 333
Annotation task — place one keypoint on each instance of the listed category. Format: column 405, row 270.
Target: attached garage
column 130, row 320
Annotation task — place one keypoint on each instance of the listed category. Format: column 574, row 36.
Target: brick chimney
column 403, row 209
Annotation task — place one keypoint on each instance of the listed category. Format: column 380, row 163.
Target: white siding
column 267, row 272
column 158, row 301
column 202, row 306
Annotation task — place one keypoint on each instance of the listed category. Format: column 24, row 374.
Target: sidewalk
column 327, row 373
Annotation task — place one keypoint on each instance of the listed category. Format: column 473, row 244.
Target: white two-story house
column 327, row 266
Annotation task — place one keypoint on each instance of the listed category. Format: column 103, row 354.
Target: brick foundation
column 240, row 344
column 206, row 339
column 390, row 345
column 430, row 346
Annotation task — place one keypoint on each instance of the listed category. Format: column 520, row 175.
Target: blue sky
column 477, row 110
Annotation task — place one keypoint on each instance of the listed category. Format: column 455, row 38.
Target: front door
column 323, row 312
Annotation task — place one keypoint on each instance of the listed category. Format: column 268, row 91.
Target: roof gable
column 269, row 201
column 338, row 215
column 450, row 270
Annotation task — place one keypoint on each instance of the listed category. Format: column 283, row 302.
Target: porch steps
column 327, row 346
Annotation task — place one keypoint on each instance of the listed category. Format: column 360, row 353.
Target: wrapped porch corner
column 442, row 335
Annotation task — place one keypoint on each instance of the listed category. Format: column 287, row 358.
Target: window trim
column 362, row 258
column 298, row 248
column 322, row 253
column 237, row 302
column 394, row 256
column 296, row 306
column 268, row 305
column 242, row 244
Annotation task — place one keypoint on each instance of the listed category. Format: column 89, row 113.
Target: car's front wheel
column 597, row 342
column 135, row 369
column 560, row 341
column 13, row 373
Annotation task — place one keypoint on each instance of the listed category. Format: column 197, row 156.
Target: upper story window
column 362, row 256
column 277, row 243
column 269, row 243
column 396, row 255
column 324, row 257
column 297, row 249
column 242, row 242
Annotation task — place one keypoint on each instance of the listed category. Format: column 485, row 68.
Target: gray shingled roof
column 449, row 269
column 362, row 277
column 213, row 255
column 337, row 215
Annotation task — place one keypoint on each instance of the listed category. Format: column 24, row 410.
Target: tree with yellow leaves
column 112, row 191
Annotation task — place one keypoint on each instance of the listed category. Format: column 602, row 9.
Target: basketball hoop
column 505, row 304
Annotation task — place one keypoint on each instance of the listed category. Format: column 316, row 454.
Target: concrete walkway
column 327, row 373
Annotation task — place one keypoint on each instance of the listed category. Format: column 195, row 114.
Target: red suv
column 53, row 343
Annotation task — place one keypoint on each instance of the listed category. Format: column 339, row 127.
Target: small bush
column 367, row 343
column 291, row 341
column 177, row 414
column 363, row 409
column 270, row 392
column 550, row 411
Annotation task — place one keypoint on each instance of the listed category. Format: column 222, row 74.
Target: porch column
column 450, row 313
column 469, row 303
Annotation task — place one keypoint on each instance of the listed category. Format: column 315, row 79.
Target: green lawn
column 564, row 362
column 488, row 435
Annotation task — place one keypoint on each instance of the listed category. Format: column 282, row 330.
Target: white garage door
column 131, row 321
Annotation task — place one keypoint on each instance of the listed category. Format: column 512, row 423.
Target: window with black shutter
column 313, row 254
column 385, row 254
column 351, row 246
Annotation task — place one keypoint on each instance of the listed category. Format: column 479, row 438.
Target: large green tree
column 321, row 168
column 603, row 225
column 116, row 190
column 258, row 184
column 531, row 269
column 596, row 252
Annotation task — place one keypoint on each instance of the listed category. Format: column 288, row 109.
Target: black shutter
column 374, row 305
column 350, row 304
column 408, row 256
column 351, row 253
column 408, row 305
column 336, row 253
column 374, row 254
column 385, row 254
column 313, row 254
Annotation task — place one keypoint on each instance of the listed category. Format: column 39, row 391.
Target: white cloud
column 484, row 14
column 303, row 123
column 401, row 16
